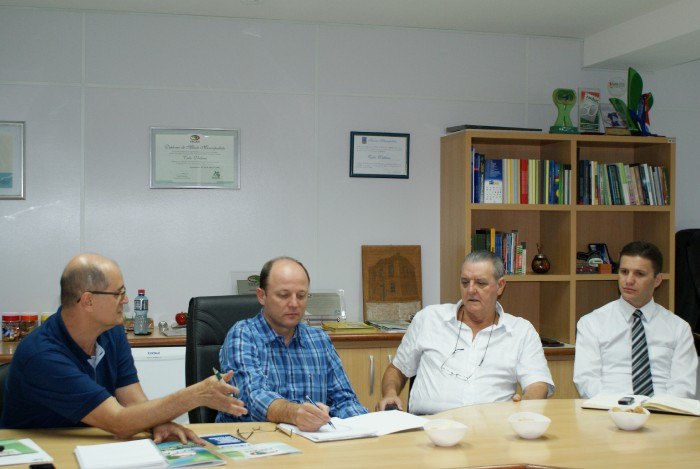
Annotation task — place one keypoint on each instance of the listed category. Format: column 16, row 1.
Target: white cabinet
column 161, row 371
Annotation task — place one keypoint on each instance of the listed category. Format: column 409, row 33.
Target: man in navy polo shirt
column 77, row 369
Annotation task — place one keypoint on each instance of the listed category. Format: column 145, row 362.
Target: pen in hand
column 316, row 405
column 220, row 378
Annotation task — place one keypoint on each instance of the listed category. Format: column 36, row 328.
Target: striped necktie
column 641, row 369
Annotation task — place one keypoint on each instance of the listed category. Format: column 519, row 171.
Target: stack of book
column 622, row 184
column 347, row 327
column 519, row 181
column 398, row 325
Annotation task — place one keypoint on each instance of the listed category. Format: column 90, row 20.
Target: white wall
column 89, row 85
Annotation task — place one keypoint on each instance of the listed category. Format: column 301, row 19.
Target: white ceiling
column 645, row 34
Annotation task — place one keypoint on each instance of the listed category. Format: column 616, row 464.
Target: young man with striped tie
column 633, row 345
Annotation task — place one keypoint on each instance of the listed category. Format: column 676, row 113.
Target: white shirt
column 514, row 355
column 603, row 360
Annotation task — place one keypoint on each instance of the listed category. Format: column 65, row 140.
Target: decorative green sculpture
column 636, row 112
column 564, row 99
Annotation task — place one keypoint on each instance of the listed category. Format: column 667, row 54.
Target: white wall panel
column 357, row 211
column 39, row 234
column 182, row 51
column 179, row 243
column 40, row 46
column 404, row 62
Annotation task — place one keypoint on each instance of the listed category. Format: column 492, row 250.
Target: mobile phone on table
column 42, row 465
column 626, row 400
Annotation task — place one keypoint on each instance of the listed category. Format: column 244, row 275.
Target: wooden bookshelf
column 554, row 301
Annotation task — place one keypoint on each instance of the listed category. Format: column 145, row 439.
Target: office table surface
column 576, row 438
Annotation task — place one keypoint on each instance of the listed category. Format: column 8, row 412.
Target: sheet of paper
column 363, row 426
column 260, row 450
column 390, row 421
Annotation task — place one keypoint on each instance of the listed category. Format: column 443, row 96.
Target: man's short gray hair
column 481, row 256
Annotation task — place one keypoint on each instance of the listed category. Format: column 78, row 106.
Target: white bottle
column 141, row 313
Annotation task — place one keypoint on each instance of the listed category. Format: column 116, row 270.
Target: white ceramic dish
column 529, row 425
column 629, row 420
column 444, row 432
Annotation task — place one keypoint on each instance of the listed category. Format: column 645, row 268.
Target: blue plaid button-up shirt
column 266, row 369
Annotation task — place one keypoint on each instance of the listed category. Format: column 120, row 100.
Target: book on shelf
column 622, row 184
column 506, row 245
column 22, row 451
column 493, row 182
column 657, row 403
column 519, row 181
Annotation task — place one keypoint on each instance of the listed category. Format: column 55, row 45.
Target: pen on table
column 316, row 405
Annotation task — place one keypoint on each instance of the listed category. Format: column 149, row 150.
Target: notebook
column 658, row 403
column 122, row 455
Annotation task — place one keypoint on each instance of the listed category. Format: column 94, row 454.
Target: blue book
column 493, row 182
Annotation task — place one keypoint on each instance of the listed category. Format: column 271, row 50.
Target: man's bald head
column 85, row 272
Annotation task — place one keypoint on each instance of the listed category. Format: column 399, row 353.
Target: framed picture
column 11, row 160
column 613, row 122
column 195, row 158
column 379, row 155
column 392, row 287
column 588, row 110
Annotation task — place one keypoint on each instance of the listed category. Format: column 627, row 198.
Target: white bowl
column 529, row 425
column 444, row 432
column 629, row 420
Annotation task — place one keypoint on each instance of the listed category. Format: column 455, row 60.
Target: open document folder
column 362, row 426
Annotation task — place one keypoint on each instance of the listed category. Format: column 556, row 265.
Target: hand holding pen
column 232, row 405
column 308, row 399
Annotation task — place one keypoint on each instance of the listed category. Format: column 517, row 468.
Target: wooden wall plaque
column 392, row 286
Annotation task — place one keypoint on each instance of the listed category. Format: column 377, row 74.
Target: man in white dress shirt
column 471, row 352
column 603, row 360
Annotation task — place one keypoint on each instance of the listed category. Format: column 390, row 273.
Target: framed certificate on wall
column 379, row 155
column 11, row 160
column 195, row 158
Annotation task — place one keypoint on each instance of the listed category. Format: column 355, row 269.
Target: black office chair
column 4, row 369
column 209, row 320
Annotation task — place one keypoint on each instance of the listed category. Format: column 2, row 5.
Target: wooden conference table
column 576, row 438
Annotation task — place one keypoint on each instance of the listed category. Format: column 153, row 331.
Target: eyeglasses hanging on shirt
column 452, row 358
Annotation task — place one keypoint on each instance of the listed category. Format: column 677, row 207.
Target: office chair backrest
column 209, row 320
column 4, row 370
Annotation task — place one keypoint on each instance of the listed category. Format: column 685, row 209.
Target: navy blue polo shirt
column 51, row 382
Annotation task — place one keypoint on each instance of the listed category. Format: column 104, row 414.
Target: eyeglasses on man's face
column 119, row 294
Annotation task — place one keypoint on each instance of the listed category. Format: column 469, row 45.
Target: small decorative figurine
column 540, row 264
column 564, row 99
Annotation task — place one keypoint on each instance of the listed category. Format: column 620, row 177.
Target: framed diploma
column 379, row 155
column 11, row 160
column 195, row 158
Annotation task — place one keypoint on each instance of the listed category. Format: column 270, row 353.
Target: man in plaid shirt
column 278, row 361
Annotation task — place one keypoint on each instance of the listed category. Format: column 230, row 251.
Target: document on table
column 122, row 455
column 23, row 451
column 362, row 426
